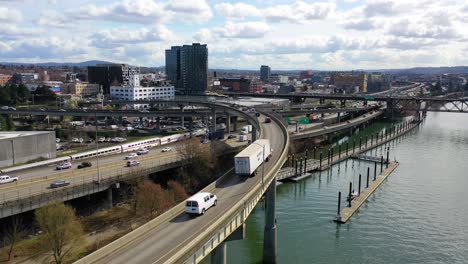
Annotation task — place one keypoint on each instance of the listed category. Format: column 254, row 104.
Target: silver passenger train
column 132, row 146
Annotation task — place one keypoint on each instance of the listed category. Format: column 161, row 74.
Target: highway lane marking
column 84, row 172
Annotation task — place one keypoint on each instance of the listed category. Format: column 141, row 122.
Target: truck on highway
column 7, row 179
column 248, row 160
column 246, row 129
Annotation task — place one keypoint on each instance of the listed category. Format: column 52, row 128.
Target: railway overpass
column 28, row 195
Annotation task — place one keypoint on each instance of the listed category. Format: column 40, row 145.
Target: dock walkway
column 359, row 200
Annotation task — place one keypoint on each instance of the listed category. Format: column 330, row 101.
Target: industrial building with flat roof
column 25, row 146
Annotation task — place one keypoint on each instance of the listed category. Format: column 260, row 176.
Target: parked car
column 132, row 163
column 101, row 139
column 232, row 136
column 5, row 107
column 200, row 202
column 62, row 110
column 90, row 140
column 58, row 184
column 57, row 140
column 64, row 165
column 142, row 151
column 143, row 111
column 131, row 156
column 77, row 140
column 166, row 149
column 7, row 179
column 84, row 164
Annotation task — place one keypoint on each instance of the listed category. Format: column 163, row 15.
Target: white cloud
column 12, row 32
column 243, row 30
column 422, row 29
column 118, row 36
column 361, row 24
column 190, row 11
column 50, row 48
column 8, row 15
column 51, row 18
column 131, row 11
column 237, row 10
column 299, row 12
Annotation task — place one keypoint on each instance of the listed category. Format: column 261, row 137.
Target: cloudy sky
column 324, row 35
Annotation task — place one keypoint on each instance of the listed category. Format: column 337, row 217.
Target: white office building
column 134, row 92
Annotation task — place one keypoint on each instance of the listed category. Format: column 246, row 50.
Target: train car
column 174, row 138
column 147, row 143
column 99, row 152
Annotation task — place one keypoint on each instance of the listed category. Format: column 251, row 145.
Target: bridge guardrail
column 234, row 217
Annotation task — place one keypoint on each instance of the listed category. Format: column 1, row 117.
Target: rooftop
column 15, row 134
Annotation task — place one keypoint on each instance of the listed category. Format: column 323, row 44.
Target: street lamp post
column 96, row 140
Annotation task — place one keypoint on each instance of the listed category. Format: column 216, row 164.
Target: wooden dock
column 368, row 158
column 356, row 203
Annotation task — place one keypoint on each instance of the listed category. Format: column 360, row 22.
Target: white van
column 200, row 202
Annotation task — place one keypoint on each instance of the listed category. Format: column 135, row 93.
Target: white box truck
column 244, row 130
column 249, row 127
column 248, row 160
column 243, row 138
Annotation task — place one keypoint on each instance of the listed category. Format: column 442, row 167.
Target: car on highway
column 58, row 184
column 64, row 165
column 77, row 140
column 142, row 152
column 200, row 202
column 131, row 156
column 7, row 179
column 132, row 163
column 84, row 164
column 267, row 120
column 166, row 149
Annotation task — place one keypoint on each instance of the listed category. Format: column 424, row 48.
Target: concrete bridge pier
column 109, row 197
column 182, row 119
column 219, row 254
column 191, row 126
column 235, row 123
column 228, row 124
column 270, row 238
column 254, row 134
column 158, row 124
column 213, row 116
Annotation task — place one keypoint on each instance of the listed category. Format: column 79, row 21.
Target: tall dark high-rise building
column 265, row 73
column 187, row 68
column 109, row 75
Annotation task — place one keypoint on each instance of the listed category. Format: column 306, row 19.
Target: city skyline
column 322, row 35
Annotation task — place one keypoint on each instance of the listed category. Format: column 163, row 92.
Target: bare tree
column 151, row 199
column 13, row 233
column 178, row 191
column 192, row 151
column 62, row 230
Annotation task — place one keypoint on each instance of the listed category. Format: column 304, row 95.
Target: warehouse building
column 25, row 146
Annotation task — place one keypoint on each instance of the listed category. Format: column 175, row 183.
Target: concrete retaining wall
column 26, row 146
